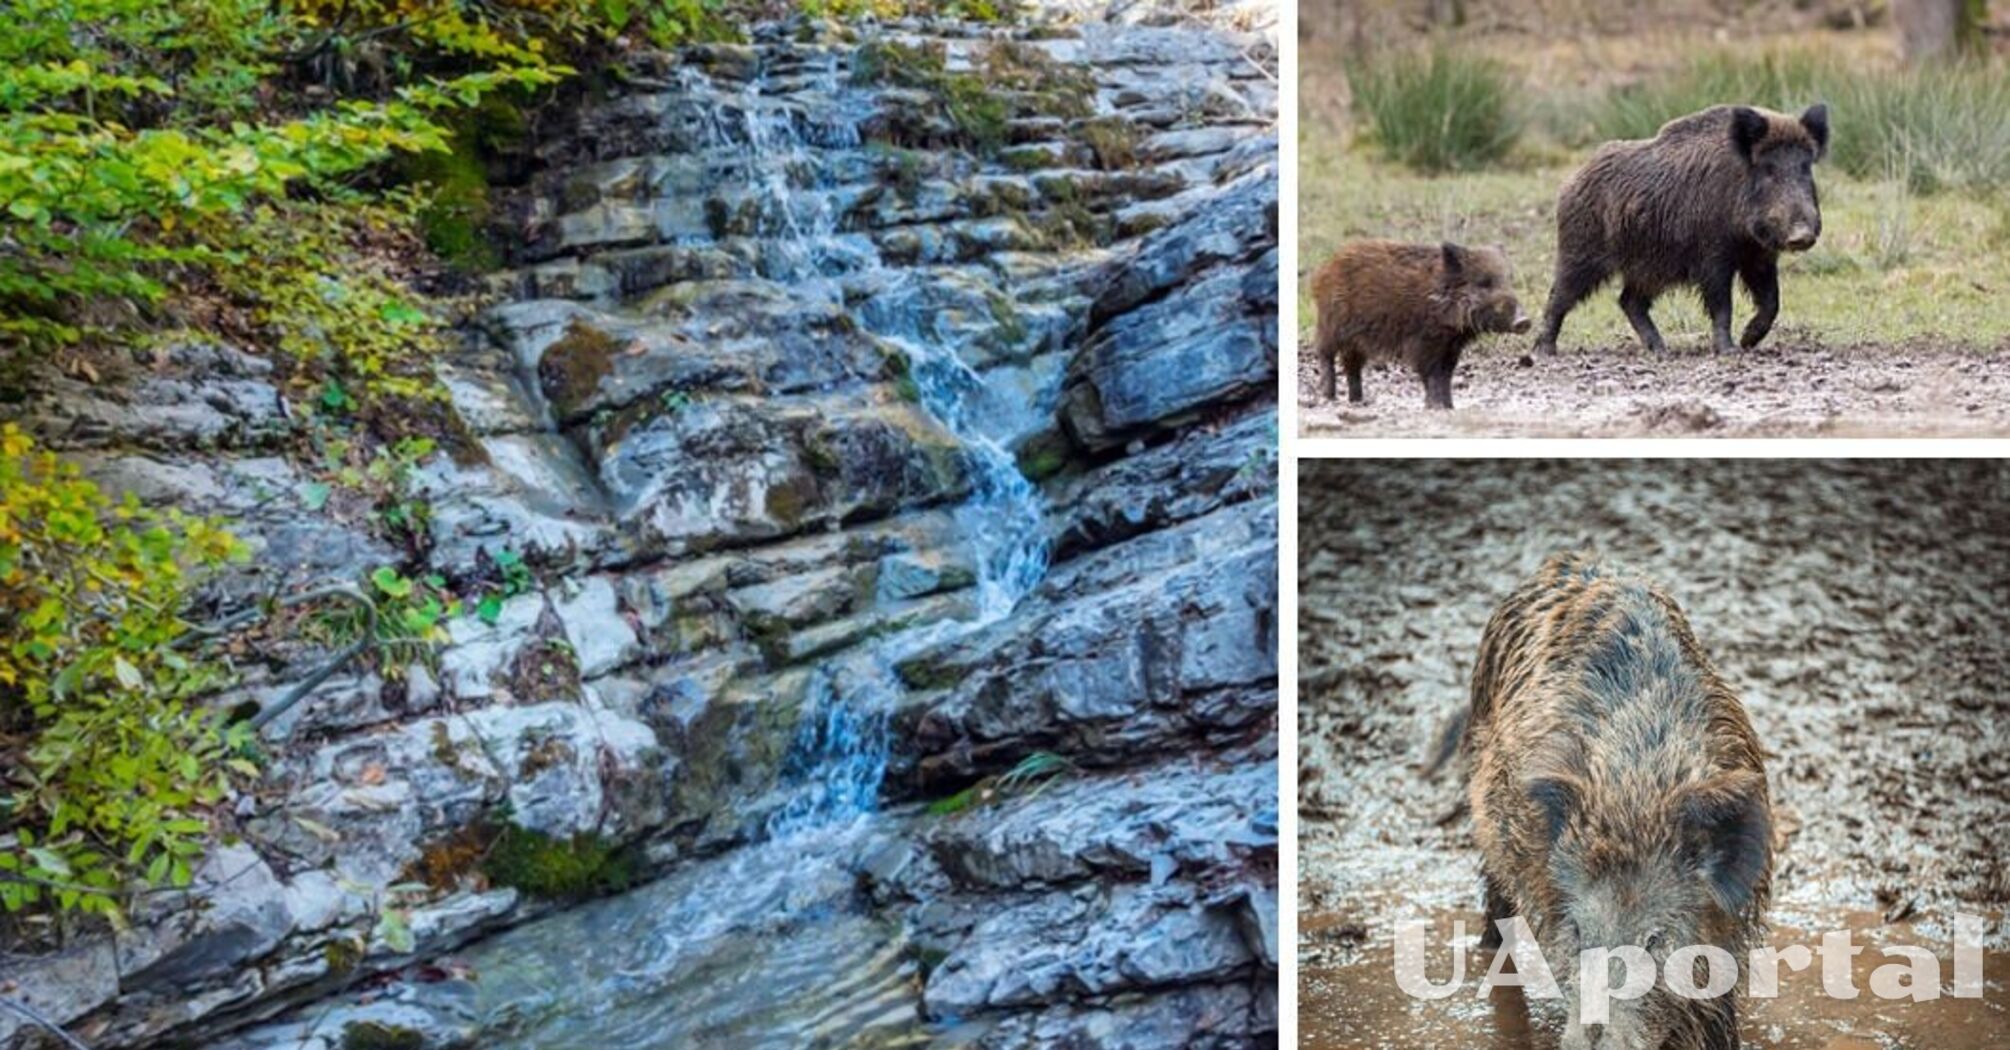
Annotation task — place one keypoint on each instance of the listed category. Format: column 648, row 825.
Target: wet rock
column 245, row 917
column 1083, row 943
column 1230, row 1016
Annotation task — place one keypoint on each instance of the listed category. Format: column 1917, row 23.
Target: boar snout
column 1521, row 324
column 1802, row 236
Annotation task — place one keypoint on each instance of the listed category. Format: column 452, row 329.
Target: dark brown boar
column 1713, row 195
column 1419, row 303
column 1617, row 794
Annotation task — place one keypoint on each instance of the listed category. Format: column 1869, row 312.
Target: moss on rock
column 572, row 368
column 371, row 1035
column 583, row 866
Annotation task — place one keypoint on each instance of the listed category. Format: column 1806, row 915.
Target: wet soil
column 1858, row 608
column 1787, row 387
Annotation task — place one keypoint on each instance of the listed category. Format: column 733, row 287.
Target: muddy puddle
column 1857, row 607
column 1790, row 388
column 1357, row 1005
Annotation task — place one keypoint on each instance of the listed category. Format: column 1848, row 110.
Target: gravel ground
column 1858, row 607
column 1788, row 387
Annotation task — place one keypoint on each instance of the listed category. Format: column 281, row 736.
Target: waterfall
column 840, row 753
column 766, row 946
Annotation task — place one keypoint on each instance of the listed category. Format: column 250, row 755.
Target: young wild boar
column 1409, row 302
column 1714, row 194
column 1617, row 794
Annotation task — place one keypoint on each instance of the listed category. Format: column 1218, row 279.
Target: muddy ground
column 1858, row 607
column 1787, row 387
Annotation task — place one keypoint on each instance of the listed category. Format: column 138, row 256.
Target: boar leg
column 1575, row 279
column 1636, row 304
column 1497, row 909
column 1326, row 343
column 1717, row 303
column 1720, row 1023
column 1762, row 279
column 1437, row 376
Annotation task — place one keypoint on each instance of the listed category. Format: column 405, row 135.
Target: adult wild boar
column 1617, row 794
column 1418, row 303
column 1714, row 194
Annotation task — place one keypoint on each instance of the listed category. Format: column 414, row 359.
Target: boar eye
column 1655, row 940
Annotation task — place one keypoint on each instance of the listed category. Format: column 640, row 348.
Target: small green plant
column 1447, row 111
column 109, row 771
column 405, row 621
column 1029, row 776
column 516, row 579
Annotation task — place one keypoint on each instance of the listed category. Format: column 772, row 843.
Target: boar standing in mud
column 1409, row 302
column 1714, row 195
column 1617, row 794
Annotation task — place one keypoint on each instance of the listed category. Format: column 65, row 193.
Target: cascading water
column 766, row 946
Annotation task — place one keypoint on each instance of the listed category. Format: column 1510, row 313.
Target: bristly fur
column 1715, row 196
column 1421, row 304
column 1602, row 743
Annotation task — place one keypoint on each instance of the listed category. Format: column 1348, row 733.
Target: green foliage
column 109, row 770
column 135, row 136
column 1445, row 111
column 986, row 11
column 585, row 865
column 516, row 579
column 1940, row 126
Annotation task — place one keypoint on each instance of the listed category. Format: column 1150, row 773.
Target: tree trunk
column 1932, row 30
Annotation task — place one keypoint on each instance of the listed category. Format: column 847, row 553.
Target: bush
column 1446, row 111
column 1938, row 126
column 108, row 771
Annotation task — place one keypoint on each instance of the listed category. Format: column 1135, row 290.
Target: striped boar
column 1617, row 794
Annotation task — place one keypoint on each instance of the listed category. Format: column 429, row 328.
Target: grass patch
column 1938, row 273
column 1941, row 126
column 1448, row 111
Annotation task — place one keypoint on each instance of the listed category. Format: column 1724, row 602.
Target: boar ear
column 1730, row 830
column 1748, row 126
column 1816, row 120
column 1455, row 258
column 1556, row 798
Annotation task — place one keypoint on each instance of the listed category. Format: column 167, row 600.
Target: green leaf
column 489, row 609
column 391, row 582
column 50, row 861
column 314, row 495
column 401, row 313
column 128, row 675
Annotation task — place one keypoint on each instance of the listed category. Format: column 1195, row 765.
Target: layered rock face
column 873, row 414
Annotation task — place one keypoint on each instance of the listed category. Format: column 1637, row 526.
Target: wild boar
column 1409, row 302
column 1714, row 194
column 1617, row 793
